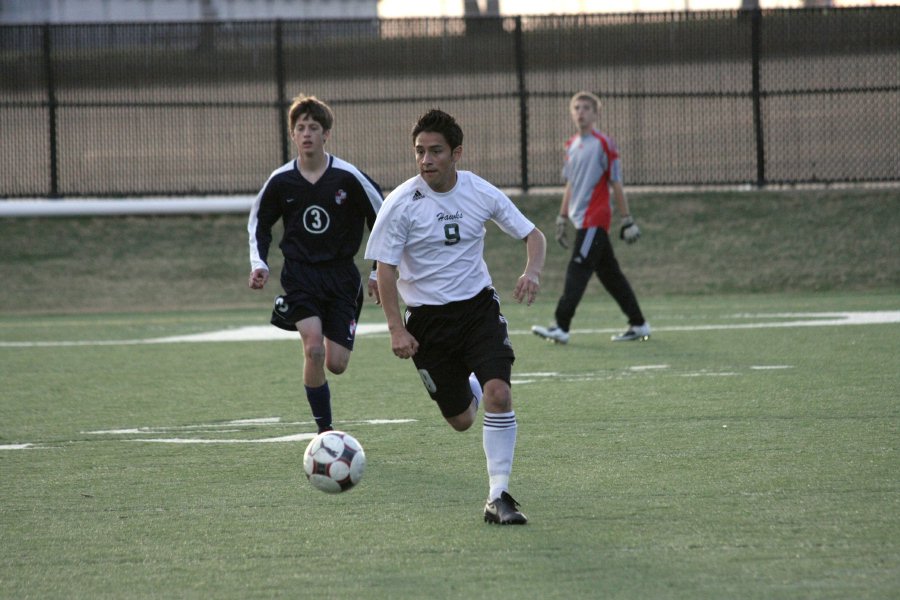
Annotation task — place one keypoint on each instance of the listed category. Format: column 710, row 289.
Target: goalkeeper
column 592, row 166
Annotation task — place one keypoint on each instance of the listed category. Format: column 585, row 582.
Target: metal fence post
column 523, row 104
column 756, row 49
column 51, row 113
column 282, row 98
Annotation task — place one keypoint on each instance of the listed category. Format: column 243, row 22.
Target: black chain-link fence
column 706, row 98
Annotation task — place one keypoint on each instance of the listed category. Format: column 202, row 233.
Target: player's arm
column 372, row 283
column 529, row 282
column 620, row 199
column 374, row 198
column 564, row 205
column 629, row 230
column 372, row 204
column 562, row 218
column 403, row 344
column 263, row 215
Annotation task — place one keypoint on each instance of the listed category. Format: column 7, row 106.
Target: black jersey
column 323, row 221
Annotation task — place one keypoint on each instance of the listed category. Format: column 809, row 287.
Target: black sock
column 320, row 402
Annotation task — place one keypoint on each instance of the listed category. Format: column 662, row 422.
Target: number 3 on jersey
column 315, row 219
column 451, row 233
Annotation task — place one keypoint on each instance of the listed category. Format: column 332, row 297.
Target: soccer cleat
column 552, row 333
column 635, row 332
column 503, row 511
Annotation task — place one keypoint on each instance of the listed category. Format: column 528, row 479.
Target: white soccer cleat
column 552, row 333
column 634, row 333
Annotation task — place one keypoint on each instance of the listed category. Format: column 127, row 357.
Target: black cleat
column 503, row 511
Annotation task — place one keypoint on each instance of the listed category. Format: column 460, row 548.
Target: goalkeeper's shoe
column 552, row 333
column 504, row 511
column 634, row 333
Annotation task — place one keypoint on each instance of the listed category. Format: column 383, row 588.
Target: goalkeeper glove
column 561, row 231
column 629, row 231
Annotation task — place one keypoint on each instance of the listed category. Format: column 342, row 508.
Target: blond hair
column 592, row 98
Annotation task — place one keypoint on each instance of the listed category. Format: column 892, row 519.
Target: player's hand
column 629, row 231
column 258, row 279
column 403, row 344
column 561, row 222
column 527, row 289
column 373, row 289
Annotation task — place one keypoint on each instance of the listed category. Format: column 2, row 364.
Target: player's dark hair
column 437, row 121
column 317, row 110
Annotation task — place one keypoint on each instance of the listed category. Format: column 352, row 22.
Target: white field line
column 526, row 378
column 229, row 426
column 255, row 333
column 41, row 207
column 258, row 333
column 297, row 437
column 225, row 427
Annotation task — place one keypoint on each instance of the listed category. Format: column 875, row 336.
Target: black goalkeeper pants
column 592, row 254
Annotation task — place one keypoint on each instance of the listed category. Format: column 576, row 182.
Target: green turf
column 692, row 243
column 718, row 463
column 675, row 468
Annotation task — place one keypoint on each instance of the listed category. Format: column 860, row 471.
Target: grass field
column 694, row 244
column 748, row 450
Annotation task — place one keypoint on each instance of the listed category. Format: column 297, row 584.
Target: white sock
column 476, row 389
column 499, row 439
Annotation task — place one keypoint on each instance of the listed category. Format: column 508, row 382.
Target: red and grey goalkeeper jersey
column 323, row 221
column 592, row 162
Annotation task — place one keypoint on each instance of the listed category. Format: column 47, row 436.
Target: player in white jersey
column 592, row 167
column 428, row 241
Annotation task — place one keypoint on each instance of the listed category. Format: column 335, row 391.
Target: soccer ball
column 334, row 461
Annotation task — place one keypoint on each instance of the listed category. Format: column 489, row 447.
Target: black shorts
column 455, row 339
column 332, row 292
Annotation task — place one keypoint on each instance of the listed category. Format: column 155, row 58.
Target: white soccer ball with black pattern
column 334, row 461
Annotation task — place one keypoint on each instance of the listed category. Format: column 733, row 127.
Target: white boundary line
column 224, row 427
column 258, row 333
column 136, row 206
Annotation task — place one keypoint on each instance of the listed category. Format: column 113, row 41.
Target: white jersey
column 437, row 239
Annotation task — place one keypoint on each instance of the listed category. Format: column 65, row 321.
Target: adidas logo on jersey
column 418, row 195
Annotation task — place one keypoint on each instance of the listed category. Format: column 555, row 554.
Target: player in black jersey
column 323, row 203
